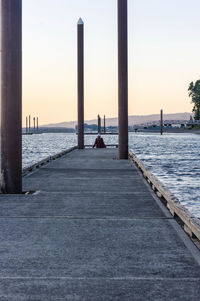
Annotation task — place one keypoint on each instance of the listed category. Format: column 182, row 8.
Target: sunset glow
column 163, row 52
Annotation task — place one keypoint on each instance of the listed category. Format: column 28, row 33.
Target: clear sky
column 164, row 56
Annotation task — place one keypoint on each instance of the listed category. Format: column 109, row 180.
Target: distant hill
column 133, row 120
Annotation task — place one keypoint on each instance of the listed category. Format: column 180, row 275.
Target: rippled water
column 38, row 147
column 173, row 158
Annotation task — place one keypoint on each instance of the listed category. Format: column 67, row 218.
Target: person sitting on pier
column 99, row 143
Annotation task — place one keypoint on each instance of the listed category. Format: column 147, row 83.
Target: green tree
column 194, row 93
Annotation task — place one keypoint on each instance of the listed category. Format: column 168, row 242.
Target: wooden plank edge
column 190, row 222
column 45, row 161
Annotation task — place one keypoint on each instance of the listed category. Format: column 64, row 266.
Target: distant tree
column 194, row 93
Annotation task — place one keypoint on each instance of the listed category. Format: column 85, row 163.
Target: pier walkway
column 94, row 230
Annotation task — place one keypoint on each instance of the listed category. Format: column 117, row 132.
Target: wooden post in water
column 104, row 125
column 161, row 122
column 11, row 95
column 37, row 126
column 123, row 79
column 99, row 124
column 34, row 124
column 26, row 124
column 29, row 123
column 80, row 33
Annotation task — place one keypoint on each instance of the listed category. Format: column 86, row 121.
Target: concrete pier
column 93, row 230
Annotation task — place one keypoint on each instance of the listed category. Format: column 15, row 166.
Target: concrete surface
column 93, row 231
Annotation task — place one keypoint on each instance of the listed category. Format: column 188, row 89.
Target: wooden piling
column 80, row 33
column 26, row 125
column 37, row 125
column 123, row 79
column 99, row 124
column 11, row 95
column 161, row 122
column 34, row 124
column 29, row 123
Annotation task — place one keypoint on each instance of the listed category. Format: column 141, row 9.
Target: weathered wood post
column 123, row 79
column 80, row 33
column 11, row 95
column 104, row 125
column 161, row 122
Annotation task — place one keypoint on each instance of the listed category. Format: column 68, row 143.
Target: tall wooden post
column 123, row 79
column 11, row 95
column 161, row 122
column 104, row 124
column 80, row 33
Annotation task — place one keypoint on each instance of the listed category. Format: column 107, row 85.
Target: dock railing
column 190, row 223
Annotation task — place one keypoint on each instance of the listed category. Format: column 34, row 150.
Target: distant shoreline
column 173, row 131
column 165, row 131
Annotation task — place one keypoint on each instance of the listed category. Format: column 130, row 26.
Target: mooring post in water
column 104, row 125
column 37, row 125
column 34, row 124
column 29, row 126
column 26, row 124
column 11, row 95
column 123, row 78
column 98, row 122
column 161, row 122
column 80, row 33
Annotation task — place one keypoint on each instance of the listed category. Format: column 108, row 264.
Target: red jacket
column 99, row 143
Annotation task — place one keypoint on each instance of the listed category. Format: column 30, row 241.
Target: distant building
column 192, row 122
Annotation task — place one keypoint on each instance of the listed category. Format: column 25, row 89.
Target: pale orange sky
column 163, row 57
